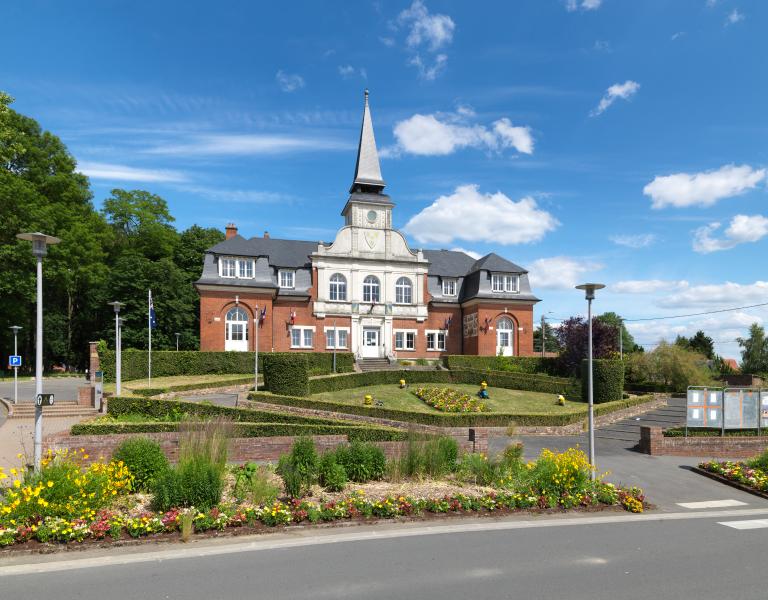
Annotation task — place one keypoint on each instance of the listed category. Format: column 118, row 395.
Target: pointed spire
column 367, row 169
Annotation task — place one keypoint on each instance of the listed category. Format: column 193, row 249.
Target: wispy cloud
column 113, row 172
column 239, row 196
column 247, row 144
column 560, row 272
column 734, row 17
column 428, row 35
column 348, row 71
column 743, row 229
column 623, row 91
column 574, row 5
column 640, row 240
column 289, row 82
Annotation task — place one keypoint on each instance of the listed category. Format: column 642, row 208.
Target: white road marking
column 300, row 538
column 712, row 504
column 753, row 524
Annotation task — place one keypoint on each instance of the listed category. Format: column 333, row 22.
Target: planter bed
column 737, row 475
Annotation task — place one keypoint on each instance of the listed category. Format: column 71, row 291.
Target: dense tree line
column 116, row 253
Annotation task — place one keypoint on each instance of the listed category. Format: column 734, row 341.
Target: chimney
column 266, row 235
column 230, row 230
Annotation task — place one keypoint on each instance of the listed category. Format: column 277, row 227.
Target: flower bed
column 450, row 400
column 738, row 472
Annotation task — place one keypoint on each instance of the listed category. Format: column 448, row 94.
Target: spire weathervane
column 367, row 169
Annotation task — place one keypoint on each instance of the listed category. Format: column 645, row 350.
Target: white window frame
column 247, row 264
column 229, row 261
column 286, row 272
column 403, row 347
column 303, row 329
column 370, row 299
column 339, row 285
column 438, row 336
column 403, row 290
column 509, row 284
column 336, row 331
column 450, row 283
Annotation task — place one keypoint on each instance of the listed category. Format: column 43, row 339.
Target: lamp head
column 120, row 321
column 40, row 242
column 589, row 289
column 116, row 305
column 15, row 328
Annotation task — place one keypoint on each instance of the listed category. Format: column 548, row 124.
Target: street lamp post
column 256, row 350
column 335, row 344
column 177, row 340
column 40, row 243
column 15, row 329
column 118, row 347
column 589, row 289
column 621, row 338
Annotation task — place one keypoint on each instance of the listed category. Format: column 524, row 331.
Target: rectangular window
column 436, row 340
column 302, row 337
column 330, row 337
column 228, row 267
column 449, row 287
column 245, row 268
column 342, row 338
column 287, row 279
column 497, row 283
column 405, row 340
column 505, row 283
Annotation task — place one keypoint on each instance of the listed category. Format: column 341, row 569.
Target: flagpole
column 149, row 329
column 256, row 322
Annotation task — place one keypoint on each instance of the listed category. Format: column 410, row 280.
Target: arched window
column 236, row 329
column 338, row 287
column 371, row 289
column 505, row 336
column 237, row 314
column 403, row 291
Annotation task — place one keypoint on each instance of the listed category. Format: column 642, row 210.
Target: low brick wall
column 101, row 447
column 652, row 441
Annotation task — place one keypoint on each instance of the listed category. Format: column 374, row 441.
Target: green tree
column 699, row 342
column 754, row 355
column 614, row 320
column 669, row 365
column 550, row 337
column 141, row 222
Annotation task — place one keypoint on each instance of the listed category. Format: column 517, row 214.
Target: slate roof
column 448, row 263
column 496, row 264
column 281, row 253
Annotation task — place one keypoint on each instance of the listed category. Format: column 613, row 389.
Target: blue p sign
column 14, row 360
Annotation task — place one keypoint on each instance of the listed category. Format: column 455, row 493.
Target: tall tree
column 573, row 337
column 699, row 342
column 754, row 356
column 552, row 344
column 614, row 320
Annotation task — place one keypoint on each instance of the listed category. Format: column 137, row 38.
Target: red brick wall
column 652, row 441
column 215, row 305
column 522, row 316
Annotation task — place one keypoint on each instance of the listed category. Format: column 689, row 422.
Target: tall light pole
column 15, row 329
column 40, row 243
column 589, row 289
column 177, row 341
column 335, row 344
column 118, row 347
column 256, row 350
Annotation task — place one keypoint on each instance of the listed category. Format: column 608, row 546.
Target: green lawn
column 164, row 382
column 501, row 400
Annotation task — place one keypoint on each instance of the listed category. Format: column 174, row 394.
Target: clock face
column 371, row 216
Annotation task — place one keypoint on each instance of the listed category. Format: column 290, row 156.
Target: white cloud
column 440, row 134
column 640, row 240
column 472, row 253
column 602, row 46
column 720, row 295
column 647, row 286
column 348, row 71
column 734, row 17
column 483, row 217
column 560, row 272
column 240, row 196
column 742, row 229
column 618, row 90
column 387, row 41
column 573, row 5
column 112, row 172
column 677, row 35
column 702, row 189
column 247, row 144
column 428, row 34
column 288, row 82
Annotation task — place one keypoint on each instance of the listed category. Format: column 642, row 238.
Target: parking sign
column 14, row 360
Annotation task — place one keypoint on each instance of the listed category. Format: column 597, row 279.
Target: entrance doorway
column 371, row 347
column 505, row 337
column 236, row 330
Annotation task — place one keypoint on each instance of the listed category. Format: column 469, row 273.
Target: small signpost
column 44, row 400
column 14, row 360
column 98, row 389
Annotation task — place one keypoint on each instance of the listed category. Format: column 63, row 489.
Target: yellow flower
column 16, row 483
column 50, row 484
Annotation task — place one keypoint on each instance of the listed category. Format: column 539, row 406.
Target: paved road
column 65, row 388
column 686, row 558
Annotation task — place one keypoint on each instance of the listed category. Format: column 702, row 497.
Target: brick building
column 366, row 292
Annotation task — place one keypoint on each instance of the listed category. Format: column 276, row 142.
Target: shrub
column 332, row 475
column 608, row 380
column 477, row 469
column 299, row 468
column 669, row 366
column 362, row 461
column 511, row 459
column 252, row 483
column 759, row 462
column 286, row 374
column 512, row 364
column 562, row 478
column 439, row 456
column 144, row 459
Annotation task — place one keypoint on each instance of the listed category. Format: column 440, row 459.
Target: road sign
column 44, row 400
column 14, row 360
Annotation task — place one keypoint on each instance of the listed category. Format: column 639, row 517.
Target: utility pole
column 15, row 329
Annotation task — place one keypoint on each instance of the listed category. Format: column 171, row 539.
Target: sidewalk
column 17, row 435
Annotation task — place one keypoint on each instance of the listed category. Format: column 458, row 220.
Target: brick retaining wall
column 652, row 441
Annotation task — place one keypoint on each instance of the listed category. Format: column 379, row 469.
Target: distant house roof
column 731, row 362
column 281, row 253
column 448, row 263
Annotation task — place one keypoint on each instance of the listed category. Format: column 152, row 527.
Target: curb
column 733, row 484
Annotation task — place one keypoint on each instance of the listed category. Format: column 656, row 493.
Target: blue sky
column 607, row 140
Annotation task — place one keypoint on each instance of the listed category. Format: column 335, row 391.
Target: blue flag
column 152, row 317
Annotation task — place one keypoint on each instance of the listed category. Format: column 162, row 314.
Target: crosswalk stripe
column 751, row 524
column 712, row 504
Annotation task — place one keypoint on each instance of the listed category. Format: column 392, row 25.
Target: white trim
column 302, row 329
column 505, row 283
column 335, row 345
column 436, row 333
column 280, row 273
column 455, row 283
column 227, row 259
column 415, row 333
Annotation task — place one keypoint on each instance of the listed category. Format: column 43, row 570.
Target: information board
column 704, row 407
column 741, row 408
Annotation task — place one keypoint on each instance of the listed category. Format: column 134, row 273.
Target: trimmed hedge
column 512, row 364
column 650, row 388
column 608, row 380
column 160, row 409
column 362, row 433
column 709, row 432
column 451, row 419
column 193, row 386
column 515, row 381
column 286, row 374
column 167, row 363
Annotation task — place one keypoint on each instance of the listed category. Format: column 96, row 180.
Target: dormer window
column 449, row 287
column 287, row 279
column 509, row 284
column 228, row 267
column 245, row 268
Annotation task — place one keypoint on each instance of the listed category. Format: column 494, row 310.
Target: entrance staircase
column 61, row 408
column 375, row 364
